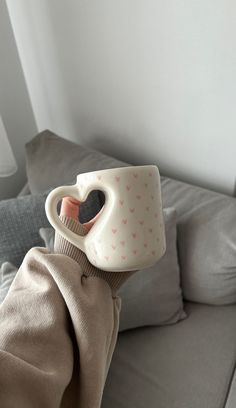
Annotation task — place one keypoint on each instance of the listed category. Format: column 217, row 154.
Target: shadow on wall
column 113, row 144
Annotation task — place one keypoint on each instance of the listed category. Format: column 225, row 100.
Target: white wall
column 15, row 107
column 150, row 81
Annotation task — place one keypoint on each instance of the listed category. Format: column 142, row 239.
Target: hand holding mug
column 70, row 208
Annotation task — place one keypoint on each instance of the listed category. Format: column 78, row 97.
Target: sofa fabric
column 20, row 220
column 7, row 275
column 52, row 161
column 187, row 365
column 206, row 241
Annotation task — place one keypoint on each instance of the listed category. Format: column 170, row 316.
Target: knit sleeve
column 58, row 329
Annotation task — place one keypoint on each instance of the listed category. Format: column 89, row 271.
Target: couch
column 189, row 362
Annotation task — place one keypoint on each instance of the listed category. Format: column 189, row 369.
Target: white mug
column 129, row 234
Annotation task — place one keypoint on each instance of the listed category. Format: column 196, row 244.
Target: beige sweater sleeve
column 58, row 329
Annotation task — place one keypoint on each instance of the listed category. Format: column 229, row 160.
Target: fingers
column 70, row 207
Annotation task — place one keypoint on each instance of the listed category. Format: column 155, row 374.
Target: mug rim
column 125, row 168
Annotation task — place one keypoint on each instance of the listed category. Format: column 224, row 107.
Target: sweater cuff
column 63, row 246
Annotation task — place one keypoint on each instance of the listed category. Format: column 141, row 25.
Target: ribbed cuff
column 62, row 246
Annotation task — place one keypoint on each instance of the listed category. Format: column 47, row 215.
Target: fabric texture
column 206, row 241
column 152, row 296
column 58, row 329
column 20, row 220
column 186, row 365
column 7, row 275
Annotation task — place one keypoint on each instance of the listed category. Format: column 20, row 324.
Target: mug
column 129, row 233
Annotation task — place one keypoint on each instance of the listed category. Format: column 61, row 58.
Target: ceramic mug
column 129, row 233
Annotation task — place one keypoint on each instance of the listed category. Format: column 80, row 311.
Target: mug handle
column 51, row 211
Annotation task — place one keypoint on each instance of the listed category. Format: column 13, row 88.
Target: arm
column 58, row 328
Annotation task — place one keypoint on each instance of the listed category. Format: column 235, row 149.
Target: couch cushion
column 206, row 241
column 187, row 365
column 7, row 275
column 20, row 220
column 52, row 161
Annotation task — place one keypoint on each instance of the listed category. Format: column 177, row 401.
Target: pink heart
column 121, row 202
column 99, row 177
column 122, row 243
column 131, row 210
column 141, row 222
column 114, row 230
column 113, row 247
column 117, row 178
column 124, row 221
column 138, row 197
column 135, row 251
column 135, row 175
column 128, row 188
column 123, row 256
column 134, row 235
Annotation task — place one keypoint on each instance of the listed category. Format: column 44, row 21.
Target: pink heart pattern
column 138, row 209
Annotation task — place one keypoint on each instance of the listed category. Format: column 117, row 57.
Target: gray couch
column 190, row 364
